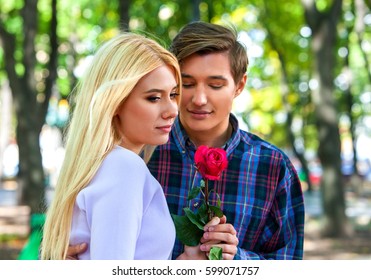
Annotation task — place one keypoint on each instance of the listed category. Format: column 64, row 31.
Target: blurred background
column 308, row 92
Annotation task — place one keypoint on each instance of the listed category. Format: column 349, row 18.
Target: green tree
column 287, row 49
column 324, row 38
column 30, row 98
column 304, row 61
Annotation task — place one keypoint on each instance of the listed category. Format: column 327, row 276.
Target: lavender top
column 122, row 213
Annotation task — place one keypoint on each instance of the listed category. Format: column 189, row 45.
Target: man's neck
column 216, row 140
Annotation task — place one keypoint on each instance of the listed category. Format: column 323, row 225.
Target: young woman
column 125, row 105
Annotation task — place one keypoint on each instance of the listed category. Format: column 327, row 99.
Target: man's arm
column 224, row 236
column 74, row 251
column 190, row 253
column 283, row 233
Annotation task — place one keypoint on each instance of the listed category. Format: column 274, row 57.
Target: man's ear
column 241, row 85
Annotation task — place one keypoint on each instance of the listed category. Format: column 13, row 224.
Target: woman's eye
column 216, row 86
column 153, row 98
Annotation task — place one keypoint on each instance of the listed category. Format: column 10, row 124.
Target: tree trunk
column 324, row 32
column 30, row 105
column 124, row 6
column 285, row 89
column 196, row 10
column 31, row 173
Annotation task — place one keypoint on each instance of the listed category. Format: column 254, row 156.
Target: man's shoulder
column 252, row 139
column 253, row 142
column 254, row 148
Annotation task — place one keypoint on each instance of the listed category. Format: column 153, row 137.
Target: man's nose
column 199, row 96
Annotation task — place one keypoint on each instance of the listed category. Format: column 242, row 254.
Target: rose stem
column 210, row 215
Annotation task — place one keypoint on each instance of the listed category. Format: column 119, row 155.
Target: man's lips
column 199, row 114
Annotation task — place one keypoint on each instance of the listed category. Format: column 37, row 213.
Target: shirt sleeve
column 114, row 207
column 283, row 234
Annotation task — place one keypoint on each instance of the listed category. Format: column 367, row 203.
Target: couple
column 127, row 103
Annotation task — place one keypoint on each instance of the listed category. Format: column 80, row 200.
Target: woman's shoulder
column 120, row 166
column 120, row 172
column 123, row 159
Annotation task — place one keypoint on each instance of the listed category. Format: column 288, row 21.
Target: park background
column 308, row 92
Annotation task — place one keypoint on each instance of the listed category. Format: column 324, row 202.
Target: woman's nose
column 171, row 110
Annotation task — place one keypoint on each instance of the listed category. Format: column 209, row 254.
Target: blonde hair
column 116, row 68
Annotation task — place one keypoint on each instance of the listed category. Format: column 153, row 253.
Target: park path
column 14, row 221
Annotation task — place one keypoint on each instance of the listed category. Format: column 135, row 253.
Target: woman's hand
column 192, row 253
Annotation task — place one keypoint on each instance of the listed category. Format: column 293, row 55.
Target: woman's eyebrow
column 158, row 90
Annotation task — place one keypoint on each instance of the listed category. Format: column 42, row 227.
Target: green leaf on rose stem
column 194, row 218
column 202, row 214
column 193, row 193
column 216, row 210
column 187, row 232
column 218, row 202
column 216, row 253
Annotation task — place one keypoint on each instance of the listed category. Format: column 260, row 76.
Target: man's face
column 208, row 93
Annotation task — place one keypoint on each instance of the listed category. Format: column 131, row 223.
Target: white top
column 122, row 214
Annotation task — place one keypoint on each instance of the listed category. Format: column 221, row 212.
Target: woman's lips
column 165, row 128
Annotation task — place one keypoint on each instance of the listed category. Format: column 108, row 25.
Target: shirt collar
column 236, row 135
column 184, row 143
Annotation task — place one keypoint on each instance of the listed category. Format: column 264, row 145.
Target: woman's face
column 148, row 113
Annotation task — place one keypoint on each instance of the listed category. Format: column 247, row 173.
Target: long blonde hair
column 116, row 68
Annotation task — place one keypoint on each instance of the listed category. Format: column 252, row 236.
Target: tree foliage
column 283, row 76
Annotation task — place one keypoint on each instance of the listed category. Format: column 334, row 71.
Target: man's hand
column 73, row 251
column 221, row 235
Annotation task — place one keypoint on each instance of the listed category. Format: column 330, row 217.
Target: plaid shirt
column 260, row 192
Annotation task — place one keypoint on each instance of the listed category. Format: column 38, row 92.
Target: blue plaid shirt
column 260, row 192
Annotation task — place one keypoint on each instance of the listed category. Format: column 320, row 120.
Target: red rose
column 210, row 162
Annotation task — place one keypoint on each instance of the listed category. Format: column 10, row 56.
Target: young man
column 260, row 192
